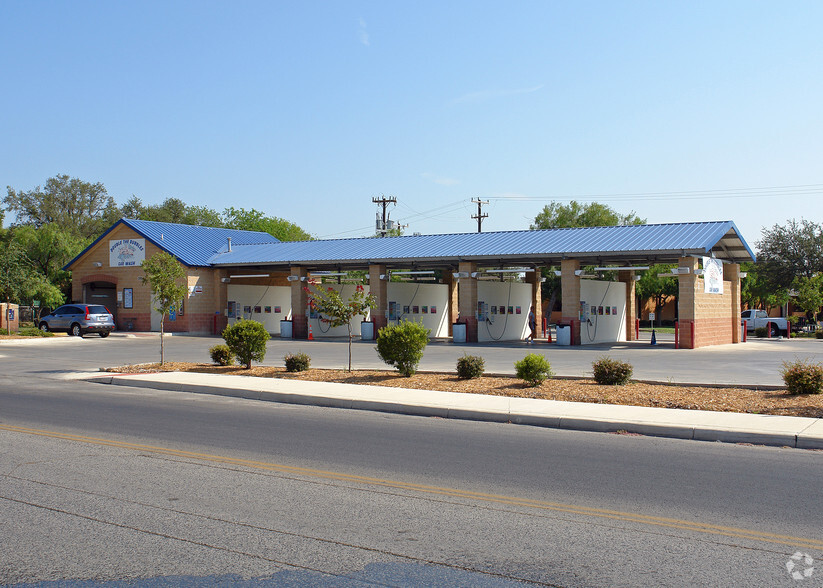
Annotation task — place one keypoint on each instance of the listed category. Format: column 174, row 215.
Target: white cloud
column 485, row 95
column 362, row 34
column 439, row 180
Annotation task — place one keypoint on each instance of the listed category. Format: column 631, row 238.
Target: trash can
column 564, row 335
column 366, row 331
column 285, row 329
column 459, row 333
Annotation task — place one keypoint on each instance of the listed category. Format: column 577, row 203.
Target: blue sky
column 679, row 111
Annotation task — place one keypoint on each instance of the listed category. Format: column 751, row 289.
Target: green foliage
column 761, row 332
column 254, row 220
column 297, row 362
column 34, row 332
column 163, row 274
column 171, row 210
column 758, row 290
column 247, row 341
column 802, row 377
column 470, row 366
column 611, row 372
column 335, row 312
column 818, row 335
column 20, row 281
column 575, row 214
column 794, row 249
column 221, row 355
column 402, row 345
column 83, row 208
column 49, row 248
column 659, row 289
column 808, row 292
column 534, row 369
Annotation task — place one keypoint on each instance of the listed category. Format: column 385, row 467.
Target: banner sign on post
column 713, row 275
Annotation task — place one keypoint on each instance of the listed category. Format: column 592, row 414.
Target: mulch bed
column 725, row 399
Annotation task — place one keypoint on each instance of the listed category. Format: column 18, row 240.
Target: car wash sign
column 127, row 252
column 713, row 275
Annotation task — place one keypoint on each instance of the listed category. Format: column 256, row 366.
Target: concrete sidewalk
column 800, row 432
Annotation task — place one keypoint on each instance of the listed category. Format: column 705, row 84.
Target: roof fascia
column 95, row 242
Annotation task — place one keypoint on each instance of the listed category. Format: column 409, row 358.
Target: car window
column 97, row 309
column 747, row 314
column 762, row 314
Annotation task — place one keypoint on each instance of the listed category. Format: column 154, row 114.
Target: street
column 103, row 483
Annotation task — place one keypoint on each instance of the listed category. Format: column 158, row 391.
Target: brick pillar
column 454, row 309
column 380, row 289
column 467, row 300
column 221, row 300
column 687, row 301
column 731, row 273
column 299, row 304
column 534, row 278
column 627, row 277
column 570, row 305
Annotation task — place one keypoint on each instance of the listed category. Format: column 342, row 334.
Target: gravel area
column 726, row 399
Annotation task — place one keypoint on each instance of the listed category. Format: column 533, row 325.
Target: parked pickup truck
column 760, row 318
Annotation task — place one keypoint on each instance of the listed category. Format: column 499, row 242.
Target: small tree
column 402, row 345
column 809, row 295
column 336, row 313
column 163, row 275
column 247, row 341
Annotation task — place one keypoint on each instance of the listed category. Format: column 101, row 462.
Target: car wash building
column 474, row 287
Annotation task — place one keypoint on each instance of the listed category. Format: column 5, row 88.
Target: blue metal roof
column 662, row 242
column 192, row 245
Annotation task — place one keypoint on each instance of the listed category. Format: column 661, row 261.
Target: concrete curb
column 782, row 431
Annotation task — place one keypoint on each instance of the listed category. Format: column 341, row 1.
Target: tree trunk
column 349, row 325
column 162, row 350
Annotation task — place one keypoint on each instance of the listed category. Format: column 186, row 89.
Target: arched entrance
column 101, row 292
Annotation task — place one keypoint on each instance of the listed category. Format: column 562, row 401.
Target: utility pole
column 382, row 225
column 480, row 216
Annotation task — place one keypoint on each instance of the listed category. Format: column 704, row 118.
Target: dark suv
column 79, row 319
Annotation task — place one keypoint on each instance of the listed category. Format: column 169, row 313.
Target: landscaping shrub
column 802, row 377
column 470, row 366
column 247, row 341
column 297, row 362
column 34, row 332
column 402, row 345
column 221, row 355
column 611, row 372
column 761, row 332
column 818, row 334
column 534, row 369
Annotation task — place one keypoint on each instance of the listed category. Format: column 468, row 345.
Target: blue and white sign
column 127, row 252
column 713, row 275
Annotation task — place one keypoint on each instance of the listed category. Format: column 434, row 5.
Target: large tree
column 790, row 250
column 84, row 208
column 254, row 220
column 49, row 248
column 20, row 282
column 171, row 210
column 574, row 214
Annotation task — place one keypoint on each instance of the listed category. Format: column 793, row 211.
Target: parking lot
column 755, row 363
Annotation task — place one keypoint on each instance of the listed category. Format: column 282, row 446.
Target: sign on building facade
column 127, row 252
column 713, row 275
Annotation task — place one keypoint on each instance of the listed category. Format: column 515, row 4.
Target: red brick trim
column 99, row 278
